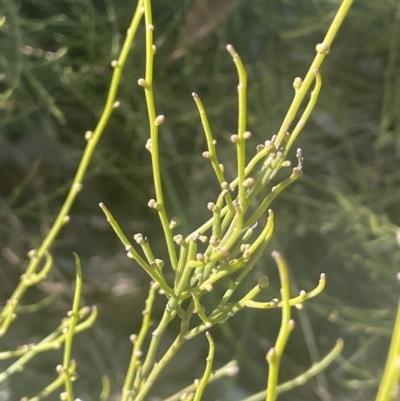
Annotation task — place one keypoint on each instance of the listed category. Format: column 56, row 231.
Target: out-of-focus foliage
column 341, row 218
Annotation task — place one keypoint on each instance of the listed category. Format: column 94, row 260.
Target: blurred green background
column 340, row 218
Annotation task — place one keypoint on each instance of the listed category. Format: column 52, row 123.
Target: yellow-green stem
column 391, row 374
column 322, row 50
column 71, row 330
column 304, row 377
column 154, row 123
column 274, row 354
column 138, row 343
column 76, row 186
column 207, row 373
column 242, row 113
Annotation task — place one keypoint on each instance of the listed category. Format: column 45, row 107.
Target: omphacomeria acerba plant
column 227, row 245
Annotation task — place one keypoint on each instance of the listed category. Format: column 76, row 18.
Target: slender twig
column 391, row 374
column 154, row 123
column 105, row 388
column 211, row 154
column 93, row 138
column 293, row 301
column 51, row 342
column 52, row 386
column 74, row 317
column 207, row 373
column 138, row 343
column 322, row 49
column 154, row 273
column 230, row 369
column 304, row 377
column 240, row 139
column 275, row 353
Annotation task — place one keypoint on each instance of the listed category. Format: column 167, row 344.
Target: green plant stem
column 74, row 317
column 105, row 388
column 391, row 374
column 255, row 251
column 144, row 244
column 307, row 112
column 80, row 174
column 153, row 272
column 154, row 344
column 230, row 237
column 207, row 225
column 183, row 254
column 52, row 341
column 249, row 266
column 240, row 304
column 219, row 316
column 293, row 301
column 207, row 373
column 216, row 227
column 187, row 270
column 138, row 343
column 200, row 311
column 210, row 139
column 153, row 123
column 52, row 386
column 274, row 354
column 173, row 349
column 225, row 210
column 230, row 369
column 265, row 235
column 36, row 307
column 304, row 377
column 27, row 279
column 151, row 370
column 242, row 112
column 322, row 50
column 275, row 191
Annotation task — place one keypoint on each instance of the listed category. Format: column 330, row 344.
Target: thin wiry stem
column 93, row 139
column 242, row 113
column 293, row 301
column 212, row 153
column 230, row 369
column 207, row 373
column 52, row 341
column 138, row 343
column 304, row 377
column 391, row 374
column 322, row 50
column 53, row 386
column 275, row 353
column 229, row 248
column 71, row 330
column 154, row 123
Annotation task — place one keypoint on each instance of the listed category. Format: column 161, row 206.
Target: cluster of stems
column 41, row 262
column 228, row 244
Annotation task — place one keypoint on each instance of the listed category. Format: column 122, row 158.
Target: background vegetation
column 340, row 218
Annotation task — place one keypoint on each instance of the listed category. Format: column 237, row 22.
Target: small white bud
column 88, row 135
column 159, row 120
